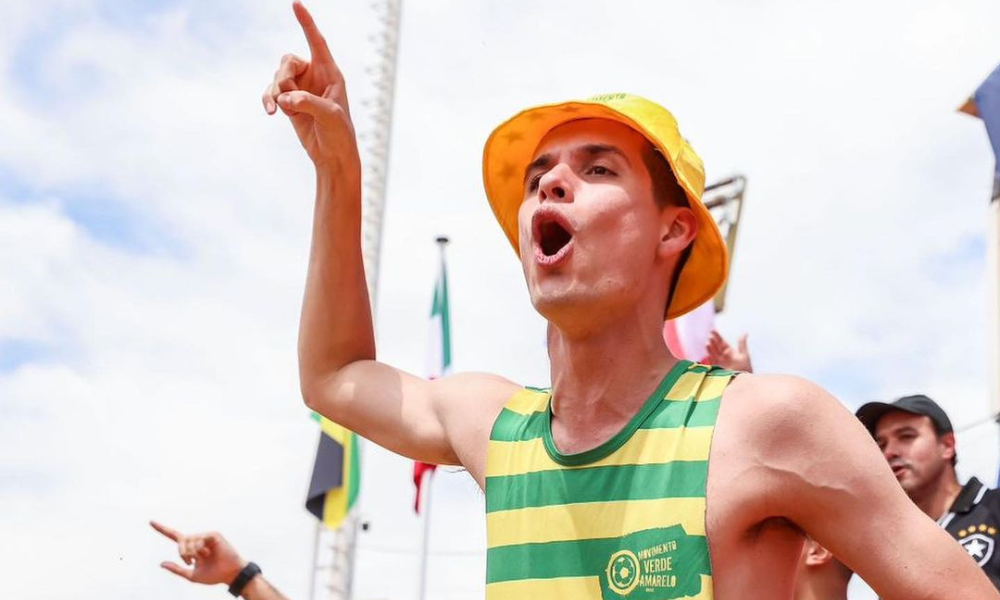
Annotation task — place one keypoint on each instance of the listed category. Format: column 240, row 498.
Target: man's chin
column 907, row 482
column 552, row 304
column 557, row 305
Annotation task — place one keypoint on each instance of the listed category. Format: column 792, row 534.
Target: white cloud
column 172, row 392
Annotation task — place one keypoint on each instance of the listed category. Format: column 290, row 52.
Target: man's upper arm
column 829, row 478
column 424, row 420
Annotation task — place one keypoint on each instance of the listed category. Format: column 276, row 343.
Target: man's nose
column 890, row 451
column 556, row 184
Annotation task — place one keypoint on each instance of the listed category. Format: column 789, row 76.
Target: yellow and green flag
column 336, row 475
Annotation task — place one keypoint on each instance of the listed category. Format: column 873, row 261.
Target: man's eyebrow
column 539, row 163
column 902, row 429
column 595, row 149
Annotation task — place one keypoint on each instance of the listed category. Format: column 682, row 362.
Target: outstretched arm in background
column 722, row 354
column 214, row 561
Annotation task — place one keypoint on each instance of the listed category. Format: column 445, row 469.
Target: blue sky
column 98, row 211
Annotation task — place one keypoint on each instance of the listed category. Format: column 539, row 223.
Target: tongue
column 554, row 237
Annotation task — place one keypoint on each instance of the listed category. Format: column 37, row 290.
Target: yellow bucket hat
column 512, row 145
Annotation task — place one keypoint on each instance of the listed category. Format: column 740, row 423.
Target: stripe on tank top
column 623, row 520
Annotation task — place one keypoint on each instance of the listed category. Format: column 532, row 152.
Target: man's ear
column 678, row 227
column 948, row 441
column 817, row 555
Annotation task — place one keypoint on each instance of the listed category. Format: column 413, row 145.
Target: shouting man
column 637, row 475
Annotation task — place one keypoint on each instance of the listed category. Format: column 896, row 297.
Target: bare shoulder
column 468, row 405
column 463, row 394
column 800, row 438
column 790, row 408
column 759, row 441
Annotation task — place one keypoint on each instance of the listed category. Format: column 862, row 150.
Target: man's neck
column 600, row 379
column 937, row 500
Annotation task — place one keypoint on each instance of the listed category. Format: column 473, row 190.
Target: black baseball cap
column 870, row 413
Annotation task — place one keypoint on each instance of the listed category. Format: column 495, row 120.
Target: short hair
column 666, row 190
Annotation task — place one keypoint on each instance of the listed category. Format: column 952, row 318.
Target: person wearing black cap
column 917, row 439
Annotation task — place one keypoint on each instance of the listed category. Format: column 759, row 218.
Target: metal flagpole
column 985, row 104
column 425, row 504
column 993, row 264
column 315, row 562
column 374, row 142
column 426, row 476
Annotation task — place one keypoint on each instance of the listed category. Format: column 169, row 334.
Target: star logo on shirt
column 976, row 549
column 979, row 546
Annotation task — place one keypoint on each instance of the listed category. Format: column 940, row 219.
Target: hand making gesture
column 213, row 559
column 313, row 95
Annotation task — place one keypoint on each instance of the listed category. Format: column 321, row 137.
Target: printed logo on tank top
column 656, row 564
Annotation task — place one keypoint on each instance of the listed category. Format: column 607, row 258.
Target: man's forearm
column 336, row 325
column 260, row 589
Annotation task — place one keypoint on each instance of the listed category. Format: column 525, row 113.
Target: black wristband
column 249, row 572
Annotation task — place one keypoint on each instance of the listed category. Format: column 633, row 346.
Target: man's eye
column 533, row 182
column 600, row 170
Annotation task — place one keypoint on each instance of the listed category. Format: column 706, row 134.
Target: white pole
column 425, row 503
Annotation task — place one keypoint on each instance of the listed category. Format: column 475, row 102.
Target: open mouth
column 553, row 237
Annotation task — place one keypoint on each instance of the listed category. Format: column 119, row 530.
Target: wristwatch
column 246, row 574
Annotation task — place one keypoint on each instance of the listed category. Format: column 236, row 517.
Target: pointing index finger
column 170, row 533
column 317, row 43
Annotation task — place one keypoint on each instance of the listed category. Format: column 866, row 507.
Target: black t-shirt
column 974, row 520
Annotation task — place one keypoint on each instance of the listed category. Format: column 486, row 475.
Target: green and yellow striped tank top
column 625, row 520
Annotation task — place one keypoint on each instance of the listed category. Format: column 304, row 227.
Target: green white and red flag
column 438, row 356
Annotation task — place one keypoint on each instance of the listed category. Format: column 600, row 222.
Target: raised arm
column 337, row 370
column 828, row 477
